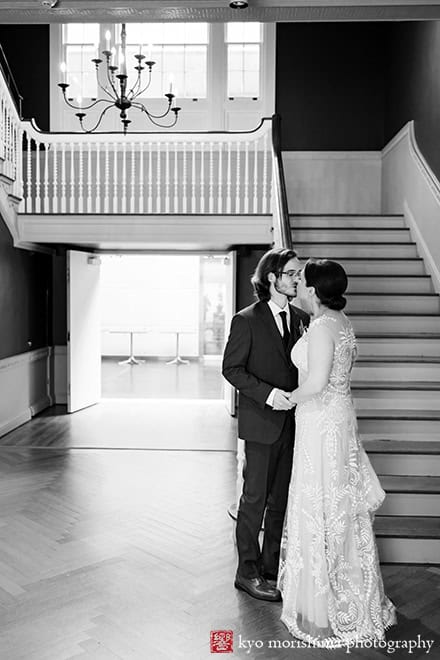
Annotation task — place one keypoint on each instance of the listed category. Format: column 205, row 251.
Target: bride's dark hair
column 330, row 282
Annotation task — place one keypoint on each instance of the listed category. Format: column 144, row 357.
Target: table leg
column 131, row 360
column 178, row 360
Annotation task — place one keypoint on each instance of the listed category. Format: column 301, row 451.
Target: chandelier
column 115, row 89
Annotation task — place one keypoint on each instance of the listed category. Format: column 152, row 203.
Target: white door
column 83, row 330
column 230, row 303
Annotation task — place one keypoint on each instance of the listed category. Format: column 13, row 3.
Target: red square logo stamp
column 222, row 641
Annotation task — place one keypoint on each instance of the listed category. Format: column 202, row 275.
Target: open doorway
column 163, row 320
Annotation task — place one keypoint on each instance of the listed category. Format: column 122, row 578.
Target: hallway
column 129, row 554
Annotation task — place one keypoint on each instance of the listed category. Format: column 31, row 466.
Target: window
column 243, row 48
column 80, row 45
column 179, row 51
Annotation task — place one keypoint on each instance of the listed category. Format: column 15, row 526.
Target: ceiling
column 63, row 11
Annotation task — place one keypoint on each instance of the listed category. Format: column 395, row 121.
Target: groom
column 257, row 362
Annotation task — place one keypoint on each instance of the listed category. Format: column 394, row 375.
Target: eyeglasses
column 291, row 273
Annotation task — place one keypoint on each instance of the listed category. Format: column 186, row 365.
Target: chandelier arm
column 100, row 85
column 138, row 104
column 132, row 94
column 146, row 86
column 101, row 116
column 86, row 107
column 151, row 117
column 111, row 83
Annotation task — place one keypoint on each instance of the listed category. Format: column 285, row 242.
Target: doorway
column 161, row 321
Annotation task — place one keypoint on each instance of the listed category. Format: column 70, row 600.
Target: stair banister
column 282, row 232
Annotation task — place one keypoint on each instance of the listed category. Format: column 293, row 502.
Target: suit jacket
column 255, row 362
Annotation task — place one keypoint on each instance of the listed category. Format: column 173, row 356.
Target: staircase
column 396, row 379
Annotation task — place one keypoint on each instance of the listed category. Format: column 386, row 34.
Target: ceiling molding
column 212, row 11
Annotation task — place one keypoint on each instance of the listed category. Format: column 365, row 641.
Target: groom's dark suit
column 255, row 361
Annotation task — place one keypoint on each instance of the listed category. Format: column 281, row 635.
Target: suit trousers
column 266, row 475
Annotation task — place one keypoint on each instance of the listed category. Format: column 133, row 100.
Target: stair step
column 383, row 266
column 402, row 284
column 393, row 303
column 392, row 413
column 408, row 539
column 354, row 221
column 411, row 426
column 351, row 250
column 398, row 346
column 394, row 399
column 422, row 527
column 384, row 370
column 410, row 495
column 397, row 385
column 395, row 324
column 348, row 235
column 403, row 457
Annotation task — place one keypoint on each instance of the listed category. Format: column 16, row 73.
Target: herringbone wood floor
column 129, row 554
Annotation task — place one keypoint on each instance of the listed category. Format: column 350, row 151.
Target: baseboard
column 6, row 426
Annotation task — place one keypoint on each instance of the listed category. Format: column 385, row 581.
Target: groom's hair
column 271, row 262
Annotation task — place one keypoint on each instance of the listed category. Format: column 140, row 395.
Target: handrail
column 10, row 81
column 280, row 194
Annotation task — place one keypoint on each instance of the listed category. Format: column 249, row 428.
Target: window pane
column 243, row 70
column 243, row 32
column 167, row 33
column 235, row 83
column 81, row 33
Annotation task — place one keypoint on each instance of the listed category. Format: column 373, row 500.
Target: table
column 131, row 360
column 178, row 360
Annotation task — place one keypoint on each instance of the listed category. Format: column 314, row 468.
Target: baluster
column 29, row 174
column 159, row 182
column 237, row 178
column 255, row 200
column 176, row 178
column 133, row 175
column 202, row 177
column 228, row 180
column 141, row 177
column 211, row 178
column 264, row 193
column 115, row 178
column 55, row 178
column 220, row 179
column 37, row 178
column 246, row 177
column 193, row 177
column 106, row 176
column 98, row 178
column 184, row 177
column 19, row 182
column 167, row 177
column 80, row 178
column 63, row 178
column 89, row 177
column 124, row 177
column 72, row 179
column 150, row 179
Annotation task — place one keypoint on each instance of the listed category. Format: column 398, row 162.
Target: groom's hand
column 281, row 401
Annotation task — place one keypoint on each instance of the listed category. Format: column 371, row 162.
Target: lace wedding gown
column 329, row 574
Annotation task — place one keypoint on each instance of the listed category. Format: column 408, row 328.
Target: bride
column 329, row 573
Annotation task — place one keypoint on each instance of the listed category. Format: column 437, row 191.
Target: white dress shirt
column 275, row 309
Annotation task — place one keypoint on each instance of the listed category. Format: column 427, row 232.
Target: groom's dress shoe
column 270, row 579
column 257, row 588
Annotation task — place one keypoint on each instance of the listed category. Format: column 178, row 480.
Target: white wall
column 333, row 181
column 411, row 188
column 24, row 384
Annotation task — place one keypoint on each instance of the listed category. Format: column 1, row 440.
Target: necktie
column 286, row 332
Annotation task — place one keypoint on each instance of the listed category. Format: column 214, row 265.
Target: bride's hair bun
column 330, row 282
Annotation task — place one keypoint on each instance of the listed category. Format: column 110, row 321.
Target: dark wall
column 27, row 50
column 330, row 85
column 25, row 286
column 413, row 90
column 247, row 260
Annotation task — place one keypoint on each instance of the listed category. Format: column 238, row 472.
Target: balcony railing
column 141, row 173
